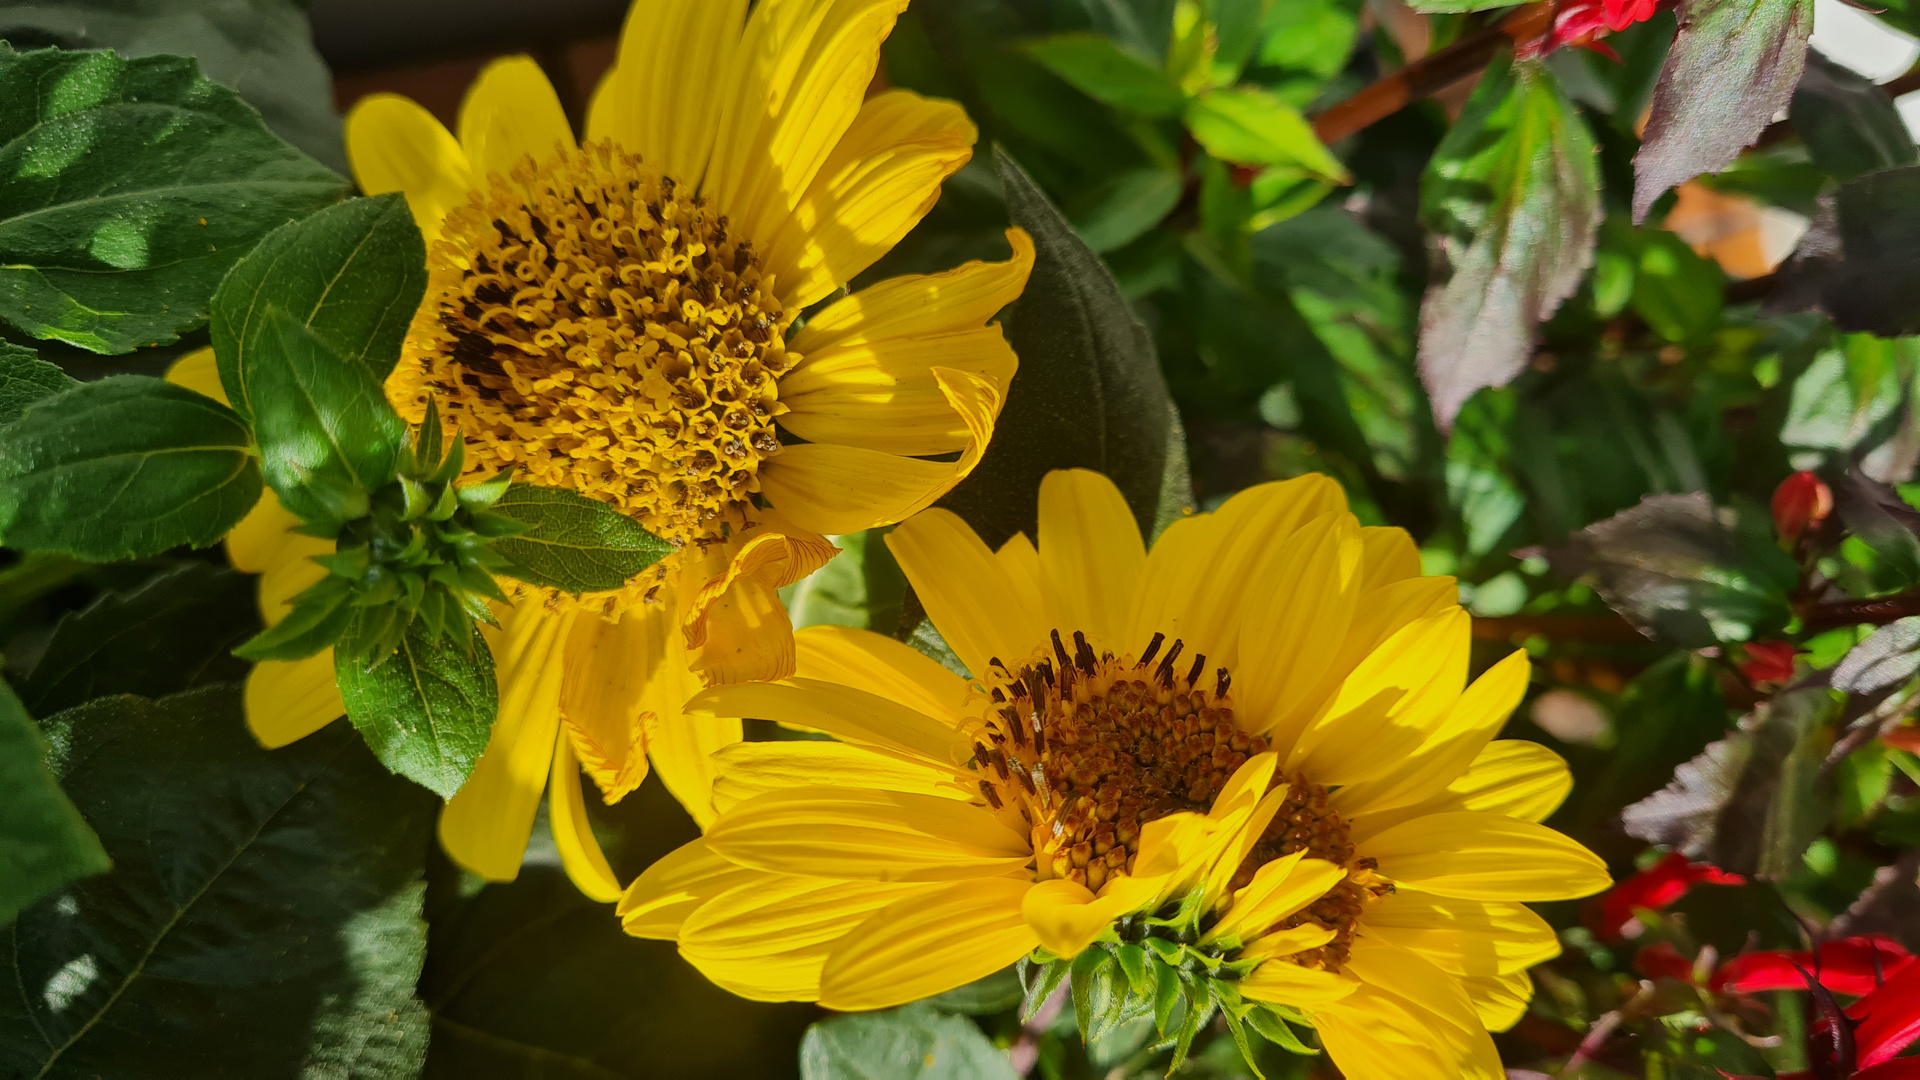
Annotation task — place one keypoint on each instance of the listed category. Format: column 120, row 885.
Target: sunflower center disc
column 592, row 324
column 1085, row 748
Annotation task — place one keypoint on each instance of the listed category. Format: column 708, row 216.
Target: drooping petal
column 289, row 700
column 660, row 100
column 580, row 853
column 737, row 628
column 928, row 943
column 1066, row 916
column 1480, row 856
column 1091, row 554
column 845, row 713
column 683, row 746
column 658, row 902
column 395, row 145
column 603, row 694
column 748, row 769
column 868, row 835
column 968, row 593
column 511, row 112
column 880, row 665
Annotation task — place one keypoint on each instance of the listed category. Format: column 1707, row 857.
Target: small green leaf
column 573, row 543
column 319, row 616
column 25, row 379
column 1106, row 72
column 123, row 468
column 127, row 188
column 1276, row 1030
column 916, row 1042
column 44, row 842
column 1249, row 126
column 427, row 710
column 1039, row 981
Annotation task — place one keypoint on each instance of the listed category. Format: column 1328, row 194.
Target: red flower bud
column 1801, row 502
column 1768, row 662
column 1652, row 890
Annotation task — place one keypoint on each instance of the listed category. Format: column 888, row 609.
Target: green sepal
column 427, row 440
column 1275, row 1029
column 319, row 616
column 446, row 504
column 1167, row 997
column 495, row 526
column 479, row 581
column 1134, row 962
column 453, row 464
column 1238, row 1029
column 1199, row 1011
column 415, row 499
column 1038, row 980
column 481, row 495
column 1169, row 952
column 351, row 563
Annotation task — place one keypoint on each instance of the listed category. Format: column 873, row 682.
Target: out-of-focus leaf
column 1513, row 196
column 1089, row 393
column 1678, row 293
column 1848, row 122
column 915, row 1042
column 997, row 992
column 1106, row 72
column 1889, row 657
column 171, row 634
column 262, row 917
column 25, row 379
column 1752, row 802
column 860, row 587
column 1856, row 264
column 1850, row 391
column 1891, row 905
column 1879, row 518
column 1685, row 572
column 1249, row 126
column 1306, row 43
column 130, row 187
column 261, row 49
column 1119, row 211
column 44, row 842
column 1479, row 488
column 1731, row 70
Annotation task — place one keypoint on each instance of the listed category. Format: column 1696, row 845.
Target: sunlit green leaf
column 572, row 542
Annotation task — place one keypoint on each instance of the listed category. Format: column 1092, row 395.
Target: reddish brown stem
column 1433, row 73
column 1854, row 612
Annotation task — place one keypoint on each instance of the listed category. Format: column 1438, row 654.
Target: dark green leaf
column 572, row 542
column 1848, row 123
column 1857, row 264
column 262, row 917
column 1731, row 70
column 1117, row 212
column 427, row 710
column 130, row 186
column 44, row 842
column 262, row 49
column 327, row 436
column 352, row 273
column 916, row 1042
column 171, row 634
column 1089, row 393
column 25, row 379
column 125, row 467
column 1878, row 517
column 1249, row 126
column 1678, row 293
column 319, row 617
column 1684, row 572
column 1105, row 71
column 1513, row 194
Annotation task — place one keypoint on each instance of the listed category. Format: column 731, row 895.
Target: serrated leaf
column 1856, row 264
column 45, row 844
column 352, row 273
column 1889, row 657
column 1512, row 194
column 427, row 710
column 326, row 433
column 573, row 543
column 916, row 1042
column 262, row 917
column 1848, row 123
column 1250, row 126
column 1103, row 70
column 123, row 468
column 170, row 634
column 1089, row 393
column 1732, row 68
column 129, row 187
column 25, row 379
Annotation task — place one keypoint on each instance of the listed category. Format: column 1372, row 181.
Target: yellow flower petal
column 511, row 112
column 289, row 700
column 868, row 836
column 1297, row 606
column 1021, row 560
column 1375, row 1034
column 265, row 538
column 1281, row 983
column 1478, row 856
column 1516, row 778
column 683, row 746
column 1280, row 944
column 928, row 943
column 1066, row 916
column 737, row 628
column 836, row 490
column 1211, row 597
column 1391, row 557
column 767, row 941
column 663, row 97
column 603, row 694
column 1464, row 937
column 880, row 665
column 1091, row 554
column 580, row 853
column 1499, row 1000
column 914, row 305
column 395, row 145
column 1385, row 708
column 754, row 768
column 882, row 395
column 1278, row 889
column 198, row 372
column 1450, row 1015
column 843, row 712
column 875, row 186
column 968, row 593
column 1172, row 572
column 484, row 827
column 660, row 899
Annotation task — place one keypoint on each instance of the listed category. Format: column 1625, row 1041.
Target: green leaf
column 1888, row 657
column 1877, row 517
column 1513, row 194
column 427, row 710
column 574, row 543
column 1731, row 70
column 1857, row 265
column 262, row 49
column 25, row 379
column 1120, row 210
column 171, row 634
column 353, row 274
column 45, row 844
column 860, row 587
column 1089, row 393
column 319, row 618
column 129, row 187
column 1849, row 124
column 328, row 438
column 262, row 917
column 1249, row 126
column 122, row 468
column 996, row 993
column 916, row 1042
column 1106, row 72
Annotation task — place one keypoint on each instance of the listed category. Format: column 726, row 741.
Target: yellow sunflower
column 617, row 316
column 1252, row 749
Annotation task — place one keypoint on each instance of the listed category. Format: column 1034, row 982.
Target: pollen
column 593, row 325
column 1082, row 748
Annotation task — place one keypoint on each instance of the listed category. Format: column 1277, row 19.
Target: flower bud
column 1768, row 662
column 1801, row 502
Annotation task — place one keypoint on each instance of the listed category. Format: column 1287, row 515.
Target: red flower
column 1580, row 22
column 1768, row 662
column 1801, row 502
column 1652, row 890
column 1853, row 965
column 1889, row 1019
column 1662, row 959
